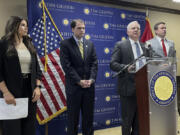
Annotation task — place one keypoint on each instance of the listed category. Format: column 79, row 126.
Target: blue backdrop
column 104, row 26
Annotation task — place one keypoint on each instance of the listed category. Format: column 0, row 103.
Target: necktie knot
column 79, row 42
column 162, row 40
column 136, row 44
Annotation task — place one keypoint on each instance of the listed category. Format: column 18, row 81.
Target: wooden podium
column 156, row 97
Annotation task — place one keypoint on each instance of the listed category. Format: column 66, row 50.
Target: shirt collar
column 77, row 39
column 132, row 41
column 159, row 39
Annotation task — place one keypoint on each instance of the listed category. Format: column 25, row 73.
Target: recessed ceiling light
column 176, row 0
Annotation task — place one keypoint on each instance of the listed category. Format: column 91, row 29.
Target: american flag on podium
column 53, row 99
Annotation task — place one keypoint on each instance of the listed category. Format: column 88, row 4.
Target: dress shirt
column 165, row 42
column 133, row 45
column 77, row 40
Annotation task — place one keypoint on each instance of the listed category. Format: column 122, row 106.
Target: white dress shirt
column 77, row 41
column 133, row 45
column 165, row 42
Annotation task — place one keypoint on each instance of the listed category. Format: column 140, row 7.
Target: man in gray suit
column 124, row 53
column 160, row 45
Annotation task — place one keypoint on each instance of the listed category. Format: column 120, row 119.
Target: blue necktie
column 139, row 54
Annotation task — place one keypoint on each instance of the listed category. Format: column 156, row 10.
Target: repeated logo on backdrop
column 104, row 27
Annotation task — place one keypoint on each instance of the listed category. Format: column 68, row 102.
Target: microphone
column 149, row 50
column 172, row 52
column 148, row 45
column 125, row 67
column 151, row 53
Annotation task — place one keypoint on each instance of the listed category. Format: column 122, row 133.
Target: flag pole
column 46, row 129
column 45, row 64
column 45, row 44
column 147, row 12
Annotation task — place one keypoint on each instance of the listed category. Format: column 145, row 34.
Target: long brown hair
column 11, row 30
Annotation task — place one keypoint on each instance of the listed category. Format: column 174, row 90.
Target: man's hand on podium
column 131, row 68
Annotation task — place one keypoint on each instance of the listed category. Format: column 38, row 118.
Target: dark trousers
column 24, row 126
column 83, row 101
column 129, row 115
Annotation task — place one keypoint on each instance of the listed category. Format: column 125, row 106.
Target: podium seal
column 163, row 88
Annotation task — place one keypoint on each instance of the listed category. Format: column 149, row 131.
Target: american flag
column 53, row 99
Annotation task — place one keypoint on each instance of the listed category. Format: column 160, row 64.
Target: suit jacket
column 10, row 70
column 123, row 55
column 158, row 49
column 74, row 66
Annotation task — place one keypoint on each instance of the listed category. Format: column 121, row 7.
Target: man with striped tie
column 79, row 62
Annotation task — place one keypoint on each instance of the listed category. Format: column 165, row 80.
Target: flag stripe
column 58, row 68
column 51, row 85
column 61, row 77
column 57, row 53
column 51, row 94
column 55, row 82
column 59, row 71
column 56, row 85
column 61, row 90
column 46, row 106
column 40, row 114
column 42, row 109
column 49, row 99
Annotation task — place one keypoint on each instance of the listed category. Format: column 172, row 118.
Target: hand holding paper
column 9, row 111
column 9, row 98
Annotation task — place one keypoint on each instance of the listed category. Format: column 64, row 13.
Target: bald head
column 133, row 30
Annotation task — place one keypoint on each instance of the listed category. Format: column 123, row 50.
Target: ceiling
column 159, row 3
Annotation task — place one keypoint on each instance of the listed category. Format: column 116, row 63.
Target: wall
column 173, row 29
column 18, row 7
column 11, row 8
column 172, row 23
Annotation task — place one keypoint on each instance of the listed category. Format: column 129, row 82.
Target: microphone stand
column 125, row 67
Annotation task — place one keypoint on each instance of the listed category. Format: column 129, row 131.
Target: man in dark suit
column 124, row 53
column 79, row 62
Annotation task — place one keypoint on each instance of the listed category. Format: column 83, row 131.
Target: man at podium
column 126, row 52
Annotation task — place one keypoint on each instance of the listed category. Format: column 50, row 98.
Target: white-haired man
column 124, row 53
